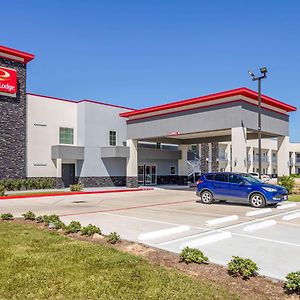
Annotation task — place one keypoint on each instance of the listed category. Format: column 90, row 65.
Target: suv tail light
column 199, row 181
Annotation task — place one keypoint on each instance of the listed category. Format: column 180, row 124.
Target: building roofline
column 80, row 101
column 243, row 91
column 25, row 56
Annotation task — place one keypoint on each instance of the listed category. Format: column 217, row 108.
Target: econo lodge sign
column 8, row 80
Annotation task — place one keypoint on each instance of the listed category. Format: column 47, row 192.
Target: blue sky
column 141, row 53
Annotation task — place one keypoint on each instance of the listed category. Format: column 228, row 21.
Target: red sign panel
column 8, row 80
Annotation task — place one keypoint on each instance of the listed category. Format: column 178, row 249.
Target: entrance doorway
column 147, row 175
column 68, row 174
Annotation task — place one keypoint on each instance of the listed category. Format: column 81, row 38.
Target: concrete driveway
column 172, row 219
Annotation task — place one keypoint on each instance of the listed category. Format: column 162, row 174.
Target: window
column 112, row 138
column 235, row 179
column 66, row 135
column 209, row 177
column 221, row 177
column 172, row 170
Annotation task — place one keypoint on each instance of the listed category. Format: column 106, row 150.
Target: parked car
column 238, row 187
column 264, row 178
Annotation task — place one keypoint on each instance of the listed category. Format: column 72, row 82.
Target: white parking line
column 286, row 206
column 291, row 217
column 226, row 228
column 222, row 220
column 259, row 225
column 258, row 212
column 266, row 239
column 212, row 238
column 161, row 233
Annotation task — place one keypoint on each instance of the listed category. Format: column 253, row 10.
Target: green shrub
column 58, row 224
column 288, row 182
column 73, row 227
column 192, row 255
column 2, row 190
column 51, row 219
column 244, row 267
column 40, row 219
column 292, row 283
column 7, row 216
column 113, row 238
column 75, row 187
column 90, row 230
column 29, row 215
column 27, row 184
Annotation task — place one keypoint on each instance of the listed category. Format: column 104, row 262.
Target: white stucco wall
column 94, row 123
column 44, row 117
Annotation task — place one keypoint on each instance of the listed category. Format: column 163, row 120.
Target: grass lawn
column 295, row 198
column 36, row 264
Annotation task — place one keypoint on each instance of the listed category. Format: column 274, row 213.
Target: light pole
column 263, row 71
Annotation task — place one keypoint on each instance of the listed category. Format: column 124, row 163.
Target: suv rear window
column 220, row 177
column 209, row 177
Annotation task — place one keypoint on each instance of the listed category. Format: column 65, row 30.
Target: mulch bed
column 258, row 287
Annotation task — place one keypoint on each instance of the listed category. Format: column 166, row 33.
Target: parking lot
column 172, row 219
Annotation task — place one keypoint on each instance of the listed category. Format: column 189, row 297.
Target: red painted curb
column 11, row 197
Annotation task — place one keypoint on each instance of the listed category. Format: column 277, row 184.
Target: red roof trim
column 206, row 106
column 77, row 102
column 27, row 57
column 235, row 92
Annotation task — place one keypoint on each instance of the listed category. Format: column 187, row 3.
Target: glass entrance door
column 147, row 174
column 141, row 174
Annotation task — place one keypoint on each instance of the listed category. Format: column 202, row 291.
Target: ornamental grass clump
column 75, row 187
column 244, row 267
column 192, row 255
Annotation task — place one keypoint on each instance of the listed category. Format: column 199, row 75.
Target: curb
column 12, row 197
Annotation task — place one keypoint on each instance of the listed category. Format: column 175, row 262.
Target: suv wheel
column 206, row 197
column 257, row 200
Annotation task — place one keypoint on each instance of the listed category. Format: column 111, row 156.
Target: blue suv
column 238, row 187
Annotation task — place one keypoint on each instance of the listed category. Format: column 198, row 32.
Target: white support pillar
column 210, row 157
column 283, row 156
column 132, row 164
column 58, row 168
column 250, row 159
column 239, row 149
column 293, row 162
column 227, row 155
column 182, row 163
column 269, row 168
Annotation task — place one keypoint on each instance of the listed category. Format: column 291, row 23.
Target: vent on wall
column 40, row 165
column 41, row 125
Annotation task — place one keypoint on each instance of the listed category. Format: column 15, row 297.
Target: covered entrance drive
column 222, row 117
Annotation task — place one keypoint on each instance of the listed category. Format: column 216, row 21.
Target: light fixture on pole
column 263, row 71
